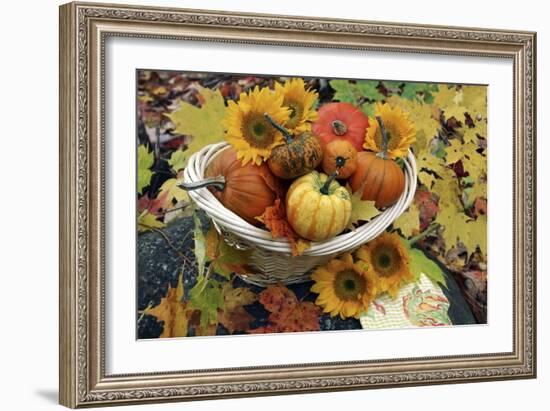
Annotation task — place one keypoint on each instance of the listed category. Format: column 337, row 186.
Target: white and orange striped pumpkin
column 311, row 213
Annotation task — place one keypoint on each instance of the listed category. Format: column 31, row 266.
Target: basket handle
column 217, row 182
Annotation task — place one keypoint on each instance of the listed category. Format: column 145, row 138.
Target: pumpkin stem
column 280, row 128
column 328, row 182
column 340, row 161
column 384, row 152
column 217, row 182
column 339, row 127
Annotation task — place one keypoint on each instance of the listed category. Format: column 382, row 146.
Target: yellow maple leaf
column 234, row 297
column 427, row 162
column 202, row 124
column 147, row 221
column 145, row 160
column 454, row 151
column 476, row 235
column 426, row 179
column 361, row 210
column 475, row 99
column 457, row 226
column 408, row 222
column 172, row 311
column 422, row 115
column 454, row 223
column 473, row 162
column 479, row 189
column 171, row 186
column 177, row 160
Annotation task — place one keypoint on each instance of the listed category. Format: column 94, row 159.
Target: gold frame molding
column 84, row 28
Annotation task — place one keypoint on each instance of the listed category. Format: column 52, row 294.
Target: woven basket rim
column 258, row 237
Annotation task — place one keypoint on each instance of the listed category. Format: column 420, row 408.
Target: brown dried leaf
column 172, row 312
column 233, row 316
column 287, row 313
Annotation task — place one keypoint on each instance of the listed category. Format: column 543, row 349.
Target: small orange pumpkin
column 247, row 190
column 298, row 156
column 341, row 121
column 339, row 155
column 380, row 178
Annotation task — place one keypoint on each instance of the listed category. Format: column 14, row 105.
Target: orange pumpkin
column 298, row 156
column 341, row 121
column 339, row 155
column 381, row 180
column 247, row 190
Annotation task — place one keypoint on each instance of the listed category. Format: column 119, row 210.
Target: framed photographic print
column 258, row 204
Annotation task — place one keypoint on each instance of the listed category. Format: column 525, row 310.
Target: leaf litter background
column 180, row 112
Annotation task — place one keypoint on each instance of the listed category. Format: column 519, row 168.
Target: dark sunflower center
column 348, row 285
column 296, row 112
column 257, row 131
column 386, row 260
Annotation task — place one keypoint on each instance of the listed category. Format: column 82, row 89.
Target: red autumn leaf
column 274, row 218
column 480, row 206
column 287, row 314
column 427, row 205
column 153, row 205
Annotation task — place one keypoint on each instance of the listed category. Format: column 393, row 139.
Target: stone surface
column 159, row 265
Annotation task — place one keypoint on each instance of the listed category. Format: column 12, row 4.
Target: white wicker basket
column 271, row 258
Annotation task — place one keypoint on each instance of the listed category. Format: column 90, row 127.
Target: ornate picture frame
column 84, row 29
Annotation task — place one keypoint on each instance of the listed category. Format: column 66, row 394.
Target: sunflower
column 400, row 130
column 300, row 101
column 247, row 129
column 345, row 287
column 389, row 260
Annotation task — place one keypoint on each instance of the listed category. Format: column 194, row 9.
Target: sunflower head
column 400, row 131
column 247, row 129
column 389, row 261
column 345, row 287
column 300, row 101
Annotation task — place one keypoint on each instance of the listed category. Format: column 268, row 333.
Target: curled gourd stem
column 328, row 182
column 339, row 127
column 280, row 128
column 384, row 153
column 217, row 182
